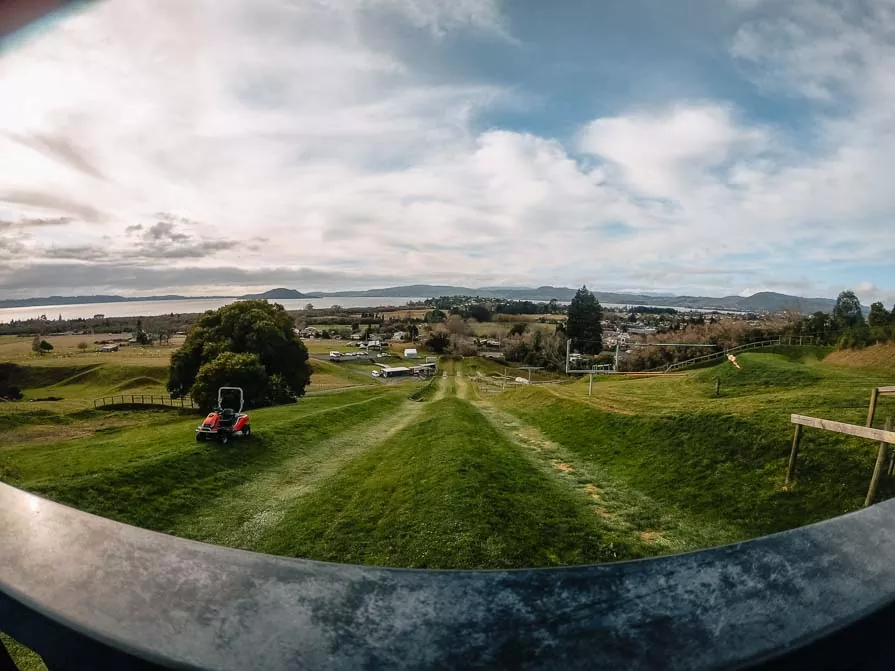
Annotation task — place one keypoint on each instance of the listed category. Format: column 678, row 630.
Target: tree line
column 846, row 326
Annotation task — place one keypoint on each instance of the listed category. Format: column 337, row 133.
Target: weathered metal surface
column 183, row 604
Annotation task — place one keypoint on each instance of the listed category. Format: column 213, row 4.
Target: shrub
column 231, row 370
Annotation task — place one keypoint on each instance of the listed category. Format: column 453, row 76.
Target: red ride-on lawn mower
column 224, row 423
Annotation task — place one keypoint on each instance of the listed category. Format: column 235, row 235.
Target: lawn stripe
column 158, row 493
column 239, row 517
column 447, row 491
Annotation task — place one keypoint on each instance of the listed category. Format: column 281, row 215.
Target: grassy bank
column 721, row 459
column 448, row 491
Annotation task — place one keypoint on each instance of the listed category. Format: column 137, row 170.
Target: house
column 398, row 336
column 356, row 336
column 411, row 353
column 309, row 332
column 108, row 348
column 100, row 316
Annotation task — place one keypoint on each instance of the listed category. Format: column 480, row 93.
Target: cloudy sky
column 697, row 146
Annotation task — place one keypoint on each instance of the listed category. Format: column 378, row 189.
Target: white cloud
column 661, row 154
column 358, row 165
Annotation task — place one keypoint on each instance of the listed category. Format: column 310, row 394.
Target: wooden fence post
column 796, row 439
column 871, row 411
column 878, row 468
column 717, row 386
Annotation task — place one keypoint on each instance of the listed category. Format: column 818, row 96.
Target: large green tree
column 253, row 327
column 847, row 312
column 878, row 316
column 583, row 326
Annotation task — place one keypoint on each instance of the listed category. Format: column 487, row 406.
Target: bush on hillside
column 438, row 342
column 257, row 328
column 231, row 370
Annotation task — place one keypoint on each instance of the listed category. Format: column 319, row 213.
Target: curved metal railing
column 86, row 592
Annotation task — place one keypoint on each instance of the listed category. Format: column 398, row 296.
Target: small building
column 411, row 353
column 99, row 316
column 108, row 348
column 394, row 371
column 398, row 336
column 424, row 369
column 356, row 336
column 309, row 332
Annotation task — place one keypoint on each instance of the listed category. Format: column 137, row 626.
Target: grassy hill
column 458, row 473
column 877, row 357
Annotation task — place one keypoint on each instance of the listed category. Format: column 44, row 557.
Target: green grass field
column 456, row 472
column 449, row 473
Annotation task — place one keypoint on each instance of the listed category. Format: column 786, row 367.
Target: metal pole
column 590, row 385
column 568, row 352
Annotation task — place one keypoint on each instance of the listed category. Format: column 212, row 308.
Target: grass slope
column 448, row 491
column 719, row 459
column 155, row 475
column 880, row 357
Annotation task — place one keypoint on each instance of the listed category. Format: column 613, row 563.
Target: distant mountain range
column 275, row 294
column 765, row 301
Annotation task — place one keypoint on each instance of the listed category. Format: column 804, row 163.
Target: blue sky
column 701, row 146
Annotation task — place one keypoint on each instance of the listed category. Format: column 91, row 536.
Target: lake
column 193, row 305
column 185, row 306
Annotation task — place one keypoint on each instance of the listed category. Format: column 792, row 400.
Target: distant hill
column 283, row 294
column 79, row 300
column 765, row 301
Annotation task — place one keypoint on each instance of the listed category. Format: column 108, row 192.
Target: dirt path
column 442, row 388
column 621, row 509
column 465, row 387
column 263, row 501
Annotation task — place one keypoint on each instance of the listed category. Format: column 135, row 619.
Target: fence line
column 788, row 340
column 185, row 402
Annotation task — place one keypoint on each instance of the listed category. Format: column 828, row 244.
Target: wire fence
column 185, row 402
column 722, row 354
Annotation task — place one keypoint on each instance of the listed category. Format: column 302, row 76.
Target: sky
column 703, row 147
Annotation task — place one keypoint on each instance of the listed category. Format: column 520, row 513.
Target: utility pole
column 568, row 352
